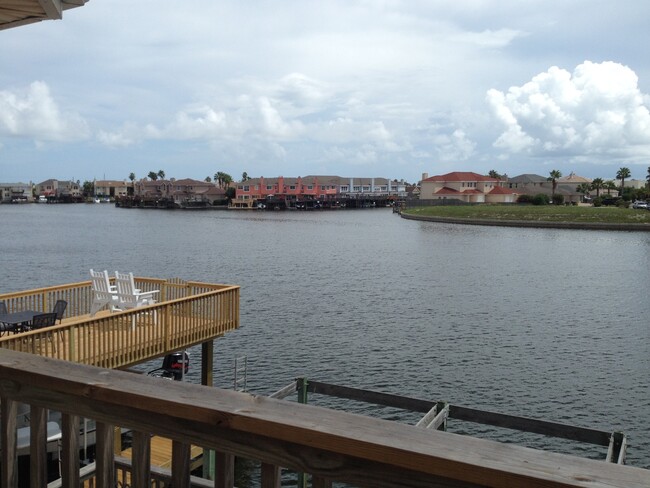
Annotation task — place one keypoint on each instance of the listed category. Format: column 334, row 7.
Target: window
column 247, row 188
column 310, row 187
column 269, row 187
column 344, row 188
column 322, row 187
column 292, row 187
column 356, row 188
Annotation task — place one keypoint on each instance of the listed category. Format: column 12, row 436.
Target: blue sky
column 351, row 88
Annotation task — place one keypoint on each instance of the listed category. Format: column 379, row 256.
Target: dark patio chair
column 3, row 308
column 4, row 327
column 43, row 320
column 59, row 308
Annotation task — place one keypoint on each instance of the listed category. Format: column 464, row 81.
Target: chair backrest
column 43, row 320
column 3, row 308
column 125, row 283
column 100, row 281
column 59, row 308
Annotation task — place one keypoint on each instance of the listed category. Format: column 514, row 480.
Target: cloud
column 596, row 110
column 33, row 113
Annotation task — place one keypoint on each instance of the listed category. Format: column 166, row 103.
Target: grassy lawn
column 541, row 213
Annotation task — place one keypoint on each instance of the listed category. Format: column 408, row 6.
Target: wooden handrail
column 330, row 445
column 201, row 312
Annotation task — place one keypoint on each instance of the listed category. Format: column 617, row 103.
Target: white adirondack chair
column 102, row 290
column 128, row 296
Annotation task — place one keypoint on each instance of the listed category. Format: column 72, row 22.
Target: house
column 62, row 191
column 184, row 192
column 532, row 184
column 112, row 188
column 313, row 187
column 467, row 187
column 16, row 192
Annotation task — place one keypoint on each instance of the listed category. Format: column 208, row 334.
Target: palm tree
column 494, row 174
column 647, row 178
column 153, row 176
column 609, row 186
column 226, row 179
column 218, row 177
column 598, row 184
column 161, row 174
column 621, row 174
column 208, row 179
column 584, row 189
column 132, row 177
column 554, row 176
column 245, row 177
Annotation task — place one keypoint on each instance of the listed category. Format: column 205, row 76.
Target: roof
column 499, row 190
column 461, row 176
column 14, row 13
column 527, row 178
column 573, row 178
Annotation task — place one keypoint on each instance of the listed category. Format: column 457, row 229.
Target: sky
column 370, row 88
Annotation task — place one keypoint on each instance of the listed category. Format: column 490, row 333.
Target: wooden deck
column 189, row 313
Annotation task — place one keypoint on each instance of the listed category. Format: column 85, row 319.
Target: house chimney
column 425, row 176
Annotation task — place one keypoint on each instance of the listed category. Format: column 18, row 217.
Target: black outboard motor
column 174, row 367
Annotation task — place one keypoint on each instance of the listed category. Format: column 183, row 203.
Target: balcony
column 330, row 446
column 187, row 313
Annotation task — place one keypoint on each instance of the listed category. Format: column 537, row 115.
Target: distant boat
column 96, row 200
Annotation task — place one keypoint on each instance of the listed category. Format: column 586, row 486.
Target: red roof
column 446, row 189
column 499, row 190
column 461, row 176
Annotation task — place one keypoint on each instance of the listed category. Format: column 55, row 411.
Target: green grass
column 541, row 213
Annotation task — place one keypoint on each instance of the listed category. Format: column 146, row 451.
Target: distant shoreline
column 532, row 224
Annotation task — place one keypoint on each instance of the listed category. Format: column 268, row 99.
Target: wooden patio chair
column 103, row 292
column 129, row 297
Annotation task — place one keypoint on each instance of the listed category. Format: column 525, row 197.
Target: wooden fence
column 329, row 445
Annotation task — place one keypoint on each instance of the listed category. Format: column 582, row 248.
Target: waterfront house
column 184, row 192
column 16, row 192
column 532, row 184
column 465, row 186
column 313, row 188
column 112, row 188
column 60, row 190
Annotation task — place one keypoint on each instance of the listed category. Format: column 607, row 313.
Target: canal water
column 551, row 324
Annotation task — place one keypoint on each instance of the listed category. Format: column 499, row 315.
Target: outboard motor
column 174, row 367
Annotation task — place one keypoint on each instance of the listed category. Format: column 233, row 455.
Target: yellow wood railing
column 329, row 445
column 188, row 313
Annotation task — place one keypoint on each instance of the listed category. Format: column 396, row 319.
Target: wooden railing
column 188, row 313
column 329, row 445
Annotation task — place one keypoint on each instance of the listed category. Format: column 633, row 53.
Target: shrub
column 525, row 199
column 598, row 202
column 540, row 199
column 558, row 199
column 622, row 203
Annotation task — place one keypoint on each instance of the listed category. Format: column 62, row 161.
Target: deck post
column 38, row 447
column 104, row 455
column 225, row 470
column 70, row 449
column 141, row 456
column 207, row 379
column 270, row 476
column 303, row 397
column 9, row 441
column 180, row 464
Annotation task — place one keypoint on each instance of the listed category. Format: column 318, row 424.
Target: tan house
column 180, row 192
column 467, row 187
column 112, row 188
column 64, row 190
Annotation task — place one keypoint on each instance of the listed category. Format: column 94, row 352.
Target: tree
column 226, row 180
column 554, row 175
column 609, row 186
column 494, row 174
column 245, row 177
column 153, row 176
column 208, row 179
column 132, row 177
column 583, row 188
column 621, row 174
column 647, row 178
column 598, row 184
column 161, row 174
column 88, row 189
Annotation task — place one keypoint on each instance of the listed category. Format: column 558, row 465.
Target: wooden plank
column 70, row 450
column 270, row 476
column 104, row 455
column 38, row 447
column 428, row 417
column 141, row 458
column 327, row 443
column 320, row 482
column 224, row 467
column 8, row 441
column 284, row 392
column 180, row 464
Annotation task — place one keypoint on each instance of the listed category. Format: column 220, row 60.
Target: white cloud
column 598, row 109
column 34, row 113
